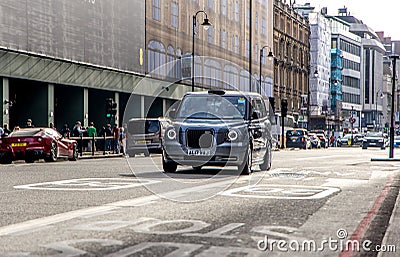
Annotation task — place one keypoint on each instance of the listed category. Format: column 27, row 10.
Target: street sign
column 352, row 120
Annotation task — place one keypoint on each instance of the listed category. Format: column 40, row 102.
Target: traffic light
column 109, row 107
column 284, row 105
column 114, row 109
column 272, row 103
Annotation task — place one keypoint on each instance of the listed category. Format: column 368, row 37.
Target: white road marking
column 46, row 221
column 289, row 192
column 88, row 184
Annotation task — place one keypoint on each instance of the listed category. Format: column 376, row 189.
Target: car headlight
column 171, row 134
column 232, row 135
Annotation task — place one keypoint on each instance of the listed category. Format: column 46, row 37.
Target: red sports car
column 32, row 144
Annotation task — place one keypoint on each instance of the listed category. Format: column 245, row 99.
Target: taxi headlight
column 171, row 134
column 232, row 135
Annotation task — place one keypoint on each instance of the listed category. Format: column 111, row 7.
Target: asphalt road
column 311, row 203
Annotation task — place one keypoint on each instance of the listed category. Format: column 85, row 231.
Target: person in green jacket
column 91, row 130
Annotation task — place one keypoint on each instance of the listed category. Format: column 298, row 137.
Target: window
column 211, row 4
column 174, row 15
column 223, row 38
column 223, row 7
column 210, row 33
column 256, row 22
column 156, row 11
column 236, row 11
column 263, row 27
column 156, row 58
column 235, row 44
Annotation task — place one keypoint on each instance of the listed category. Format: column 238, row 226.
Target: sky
column 381, row 15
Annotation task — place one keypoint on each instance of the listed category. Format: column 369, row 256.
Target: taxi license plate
column 18, row 144
column 199, row 152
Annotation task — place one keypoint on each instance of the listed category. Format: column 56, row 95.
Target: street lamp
column 206, row 23
column 391, row 152
column 270, row 56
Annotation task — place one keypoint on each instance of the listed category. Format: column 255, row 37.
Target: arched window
column 231, row 78
column 171, row 67
column 212, row 73
column 156, row 58
column 244, row 80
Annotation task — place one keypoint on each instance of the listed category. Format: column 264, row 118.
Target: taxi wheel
column 169, row 166
column 245, row 168
column 266, row 165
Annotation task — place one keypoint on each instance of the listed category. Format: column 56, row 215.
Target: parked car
column 144, row 136
column 32, row 144
column 219, row 128
column 345, row 140
column 315, row 141
column 374, row 139
column 324, row 140
column 298, row 138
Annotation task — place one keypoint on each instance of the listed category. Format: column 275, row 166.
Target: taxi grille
column 199, row 138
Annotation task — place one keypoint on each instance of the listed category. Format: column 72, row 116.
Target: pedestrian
column 92, row 132
column 51, row 125
column 29, row 124
column 1, row 131
column 65, row 131
column 6, row 130
column 108, row 133
column 122, row 139
column 115, row 132
column 77, row 132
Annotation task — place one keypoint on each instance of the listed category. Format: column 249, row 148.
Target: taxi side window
column 258, row 105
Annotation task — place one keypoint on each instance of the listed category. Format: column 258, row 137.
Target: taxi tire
column 169, row 166
column 266, row 165
column 245, row 167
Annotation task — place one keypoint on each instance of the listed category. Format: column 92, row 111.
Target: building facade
column 291, row 37
column 372, row 73
column 346, row 78
column 227, row 55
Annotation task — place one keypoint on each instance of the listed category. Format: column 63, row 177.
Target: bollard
column 105, row 144
column 93, row 145
column 81, row 146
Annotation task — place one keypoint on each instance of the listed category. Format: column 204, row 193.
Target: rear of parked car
column 143, row 136
column 298, row 138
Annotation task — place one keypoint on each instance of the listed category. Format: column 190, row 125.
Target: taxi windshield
column 213, row 107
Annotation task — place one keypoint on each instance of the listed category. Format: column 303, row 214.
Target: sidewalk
column 392, row 235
